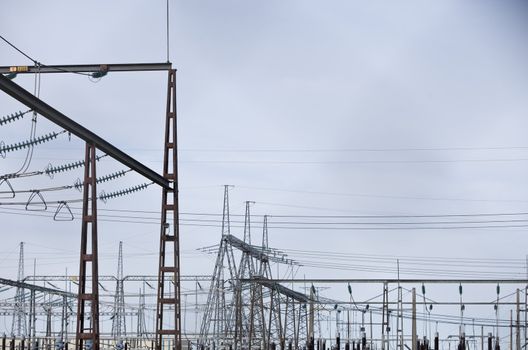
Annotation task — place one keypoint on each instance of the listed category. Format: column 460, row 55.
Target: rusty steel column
column 88, row 297
column 168, row 304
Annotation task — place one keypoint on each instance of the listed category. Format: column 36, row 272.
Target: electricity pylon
column 19, row 324
column 119, row 321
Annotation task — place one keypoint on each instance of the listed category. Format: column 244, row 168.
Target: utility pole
column 518, row 321
column 311, row 321
column 385, row 316
column 399, row 318
column 414, row 336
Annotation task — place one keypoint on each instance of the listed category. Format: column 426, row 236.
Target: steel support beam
column 183, row 278
column 88, row 68
column 23, row 285
column 78, row 130
column 262, row 255
column 72, row 278
column 129, row 278
column 302, row 298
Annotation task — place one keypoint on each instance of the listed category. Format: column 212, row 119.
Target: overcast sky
column 306, row 107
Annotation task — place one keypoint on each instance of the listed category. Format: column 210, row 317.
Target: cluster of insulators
column 105, row 196
column 78, row 184
column 50, row 170
column 13, row 117
column 28, row 143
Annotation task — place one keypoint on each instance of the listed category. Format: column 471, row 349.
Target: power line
column 20, row 51
column 355, row 161
column 365, row 195
column 343, row 150
column 216, row 223
column 348, row 161
column 216, row 218
column 37, row 63
column 323, row 216
column 404, row 257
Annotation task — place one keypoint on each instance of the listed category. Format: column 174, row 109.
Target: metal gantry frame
column 169, row 266
column 88, row 297
column 168, row 181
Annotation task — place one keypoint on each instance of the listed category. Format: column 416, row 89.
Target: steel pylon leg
column 168, row 304
column 88, row 296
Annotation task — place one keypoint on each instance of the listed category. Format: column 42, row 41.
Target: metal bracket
column 30, row 200
column 11, row 190
column 78, row 185
column 2, row 150
column 63, row 205
column 102, row 196
column 47, row 171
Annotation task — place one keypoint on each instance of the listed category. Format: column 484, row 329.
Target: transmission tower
column 19, row 324
column 216, row 323
column 249, row 319
column 119, row 321
column 141, row 326
column 295, row 316
column 273, row 319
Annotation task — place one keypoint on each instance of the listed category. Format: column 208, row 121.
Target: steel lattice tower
column 141, row 326
column 249, row 318
column 119, row 321
column 216, row 322
column 271, row 323
column 19, row 325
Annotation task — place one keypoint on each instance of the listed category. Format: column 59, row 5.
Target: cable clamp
column 37, row 206
column 11, row 190
column 63, row 206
